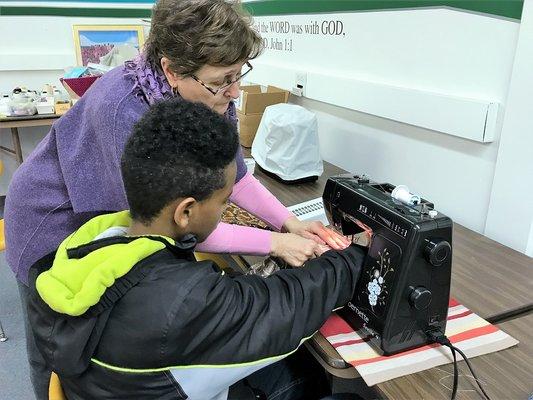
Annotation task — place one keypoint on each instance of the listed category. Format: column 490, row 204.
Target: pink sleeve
column 228, row 238
column 251, row 195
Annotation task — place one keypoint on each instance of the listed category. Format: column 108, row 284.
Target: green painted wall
column 75, row 12
column 504, row 8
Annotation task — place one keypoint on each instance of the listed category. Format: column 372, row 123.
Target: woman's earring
column 175, row 91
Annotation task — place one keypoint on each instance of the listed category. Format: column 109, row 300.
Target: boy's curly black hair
column 177, row 149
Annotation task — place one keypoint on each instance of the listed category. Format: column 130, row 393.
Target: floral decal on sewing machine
column 378, row 273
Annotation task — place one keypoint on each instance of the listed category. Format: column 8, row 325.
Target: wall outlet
column 297, row 91
column 300, row 83
column 301, row 79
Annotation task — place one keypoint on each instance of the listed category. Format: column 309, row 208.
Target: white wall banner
column 440, row 69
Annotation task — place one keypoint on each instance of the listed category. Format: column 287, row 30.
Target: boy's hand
column 293, row 249
column 315, row 230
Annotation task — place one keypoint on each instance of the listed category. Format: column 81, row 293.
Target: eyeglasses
column 222, row 88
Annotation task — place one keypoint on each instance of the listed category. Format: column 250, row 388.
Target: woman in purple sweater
column 196, row 50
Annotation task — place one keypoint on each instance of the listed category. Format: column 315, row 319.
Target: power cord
column 439, row 337
column 455, row 373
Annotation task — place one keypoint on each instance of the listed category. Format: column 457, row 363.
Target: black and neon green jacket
column 139, row 318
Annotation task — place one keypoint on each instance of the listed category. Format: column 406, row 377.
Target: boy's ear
column 184, row 211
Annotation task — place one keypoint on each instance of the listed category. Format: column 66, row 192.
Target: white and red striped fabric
column 466, row 330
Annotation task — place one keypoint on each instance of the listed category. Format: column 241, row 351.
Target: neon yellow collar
column 72, row 286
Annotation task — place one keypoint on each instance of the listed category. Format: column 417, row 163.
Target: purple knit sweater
column 74, row 173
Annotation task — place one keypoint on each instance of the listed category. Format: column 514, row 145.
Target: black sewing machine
column 404, row 287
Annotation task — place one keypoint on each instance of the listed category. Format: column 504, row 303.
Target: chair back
column 2, row 201
column 2, row 237
column 55, row 392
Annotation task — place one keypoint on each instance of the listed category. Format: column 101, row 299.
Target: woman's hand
column 293, row 249
column 316, row 231
column 321, row 249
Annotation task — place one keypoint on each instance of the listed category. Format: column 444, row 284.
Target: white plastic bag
column 286, row 143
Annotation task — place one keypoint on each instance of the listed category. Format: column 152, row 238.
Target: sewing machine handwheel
column 437, row 251
column 420, row 298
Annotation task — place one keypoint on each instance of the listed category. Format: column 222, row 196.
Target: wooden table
column 492, row 280
column 23, row 122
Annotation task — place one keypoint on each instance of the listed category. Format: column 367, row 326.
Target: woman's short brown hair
column 194, row 33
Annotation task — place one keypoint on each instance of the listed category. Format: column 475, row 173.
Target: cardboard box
column 253, row 101
column 251, row 106
column 62, row 107
column 248, row 125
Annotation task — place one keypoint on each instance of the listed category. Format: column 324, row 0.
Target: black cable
column 455, row 374
column 504, row 316
column 471, row 369
column 439, row 337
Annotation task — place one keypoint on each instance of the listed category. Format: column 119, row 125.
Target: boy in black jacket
column 124, row 311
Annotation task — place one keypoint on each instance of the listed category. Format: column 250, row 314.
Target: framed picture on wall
column 107, row 44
